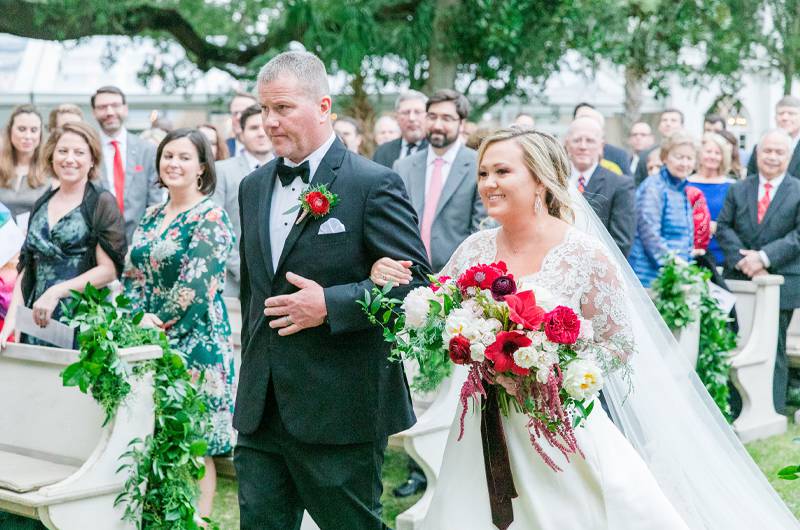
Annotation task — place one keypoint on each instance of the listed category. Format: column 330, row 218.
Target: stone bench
column 58, row 464
column 752, row 364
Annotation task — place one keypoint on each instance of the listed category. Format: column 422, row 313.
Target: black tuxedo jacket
column 333, row 384
column 612, row 198
column 387, row 154
column 778, row 234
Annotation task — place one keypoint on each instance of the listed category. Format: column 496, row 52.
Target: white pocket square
column 331, row 226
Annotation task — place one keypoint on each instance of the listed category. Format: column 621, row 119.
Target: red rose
column 522, row 309
column 501, row 351
column 435, row 286
column 562, row 325
column 318, row 203
column 459, row 350
column 481, row 276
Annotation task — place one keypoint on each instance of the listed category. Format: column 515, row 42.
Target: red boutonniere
column 316, row 201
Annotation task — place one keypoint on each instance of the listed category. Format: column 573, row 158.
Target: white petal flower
column 416, row 306
column 525, row 357
column 545, row 299
column 477, row 350
column 461, row 321
column 583, row 379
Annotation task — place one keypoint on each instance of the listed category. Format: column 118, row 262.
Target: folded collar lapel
column 266, row 186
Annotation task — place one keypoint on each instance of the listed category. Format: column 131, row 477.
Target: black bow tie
column 288, row 174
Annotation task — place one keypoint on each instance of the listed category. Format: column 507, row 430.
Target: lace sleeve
column 603, row 302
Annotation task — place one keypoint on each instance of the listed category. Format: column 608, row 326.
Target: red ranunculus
column 501, row 351
column 435, row 286
column 481, row 276
column 318, row 203
column 523, row 310
column 562, row 325
column 459, row 350
column 503, row 286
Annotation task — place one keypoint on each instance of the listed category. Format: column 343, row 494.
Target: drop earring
column 537, row 205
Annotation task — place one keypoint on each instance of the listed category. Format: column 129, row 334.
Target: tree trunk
column 442, row 63
column 634, row 82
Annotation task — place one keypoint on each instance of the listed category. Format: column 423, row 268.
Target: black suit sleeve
column 786, row 249
column 641, row 167
column 752, row 164
column 622, row 219
column 244, row 276
column 726, row 235
column 390, row 229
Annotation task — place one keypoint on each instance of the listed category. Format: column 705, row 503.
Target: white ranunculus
column 477, row 350
column 583, row 379
column 461, row 321
column 416, row 306
column 492, row 325
column 524, row 357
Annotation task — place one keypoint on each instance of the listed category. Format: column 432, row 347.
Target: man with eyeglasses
column 129, row 163
column 442, row 183
column 410, row 115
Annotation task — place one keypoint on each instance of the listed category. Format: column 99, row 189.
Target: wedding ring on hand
column 288, row 320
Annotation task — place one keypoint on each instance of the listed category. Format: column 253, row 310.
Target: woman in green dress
column 76, row 232
column 175, row 273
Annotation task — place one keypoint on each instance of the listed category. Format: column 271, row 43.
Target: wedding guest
column 524, row 120
column 239, row 102
column 8, row 262
column 664, row 222
column 64, row 113
column 640, row 139
column 713, row 123
column 22, row 180
column 671, row 120
column 175, row 274
column 218, row 146
column 654, row 162
column 128, row 169
column 757, row 230
column 409, row 111
column 702, row 221
column 468, row 128
column 787, row 117
column 76, row 233
column 349, row 130
column 386, row 129
column 737, row 170
column 614, row 158
column 610, row 195
column 229, row 174
column 712, row 180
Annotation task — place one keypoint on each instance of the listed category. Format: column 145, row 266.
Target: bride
column 673, row 463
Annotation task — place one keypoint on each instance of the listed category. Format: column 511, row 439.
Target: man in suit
column 386, row 129
column 640, row 139
column 240, row 101
column 610, row 195
column 442, row 179
column 349, row 132
column 129, row 169
column 759, row 232
column 671, row 120
column 318, row 396
column 614, row 158
column 409, row 111
column 230, row 172
column 787, row 117
column 523, row 120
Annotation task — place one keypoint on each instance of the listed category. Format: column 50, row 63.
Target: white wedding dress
column 612, row 487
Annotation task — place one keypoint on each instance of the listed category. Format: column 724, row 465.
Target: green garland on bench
column 676, row 280
column 161, row 489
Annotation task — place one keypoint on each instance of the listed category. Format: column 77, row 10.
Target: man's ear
column 325, row 105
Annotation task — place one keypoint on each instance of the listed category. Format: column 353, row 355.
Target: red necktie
column 119, row 177
column 763, row 204
column 581, row 183
column 431, row 201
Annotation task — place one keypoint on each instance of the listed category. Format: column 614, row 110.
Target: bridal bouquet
column 540, row 362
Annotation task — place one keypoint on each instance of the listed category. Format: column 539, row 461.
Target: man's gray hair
column 777, row 132
column 409, row 95
column 788, row 101
column 305, row 66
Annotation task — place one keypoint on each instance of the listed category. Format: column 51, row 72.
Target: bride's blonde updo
column 547, row 161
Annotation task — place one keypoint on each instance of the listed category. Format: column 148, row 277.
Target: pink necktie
column 431, row 201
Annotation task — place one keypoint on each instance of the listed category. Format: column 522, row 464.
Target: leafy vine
column 164, row 468
column 681, row 295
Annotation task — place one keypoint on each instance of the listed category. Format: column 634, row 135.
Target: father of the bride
column 317, row 394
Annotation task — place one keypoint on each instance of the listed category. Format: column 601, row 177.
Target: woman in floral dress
column 175, row 273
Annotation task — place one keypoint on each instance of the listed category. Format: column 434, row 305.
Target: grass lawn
column 770, row 455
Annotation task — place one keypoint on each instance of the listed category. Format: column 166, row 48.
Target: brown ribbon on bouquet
column 499, row 480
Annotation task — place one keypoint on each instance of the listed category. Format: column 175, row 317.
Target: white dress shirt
column 108, row 155
column 575, row 175
column 761, row 192
column 449, row 158
column 404, row 147
column 285, row 197
column 254, row 163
